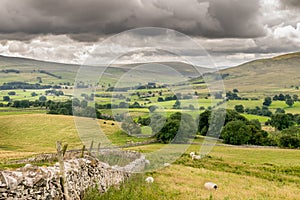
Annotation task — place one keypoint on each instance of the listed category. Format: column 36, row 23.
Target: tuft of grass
column 135, row 188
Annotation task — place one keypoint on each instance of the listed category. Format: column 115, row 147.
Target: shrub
column 236, row 132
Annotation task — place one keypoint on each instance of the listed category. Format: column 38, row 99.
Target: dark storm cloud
column 87, row 20
column 237, row 18
column 290, row 4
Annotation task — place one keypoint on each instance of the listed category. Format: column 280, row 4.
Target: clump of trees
column 54, row 92
column 49, row 73
column 24, row 85
column 237, row 129
column 290, row 137
column 178, row 128
column 130, row 127
column 120, row 105
column 267, row 101
column 289, row 100
column 261, row 111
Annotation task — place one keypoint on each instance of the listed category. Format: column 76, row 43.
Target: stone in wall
column 33, row 182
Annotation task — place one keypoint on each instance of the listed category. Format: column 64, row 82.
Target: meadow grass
column 261, row 119
column 239, row 172
column 28, row 134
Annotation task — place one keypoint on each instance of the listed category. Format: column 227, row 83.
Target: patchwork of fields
column 241, row 172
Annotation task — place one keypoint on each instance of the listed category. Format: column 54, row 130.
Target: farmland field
column 241, row 172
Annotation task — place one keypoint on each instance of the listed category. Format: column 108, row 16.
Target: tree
column 178, row 128
column 239, row 108
column 267, row 101
column 290, row 137
column 76, row 102
column 205, row 119
column 177, row 104
column 295, row 97
column 203, row 122
column 135, row 105
column 25, row 104
column 6, row 98
column 297, row 119
column 21, row 104
column 257, row 136
column 83, row 104
column 236, row 133
column 287, row 96
column 281, row 97
column 279, row 110
column 43, row 98
column 281, row 121
column 289, row 102
column 123, row 104
column 12, row 93
column 152, row 108
column 130, row 127
column 160, row 99
column 33, row 94
column 235, row 90
column 218, row 95
column 157, row 121
column 232, row 115
column 275, row 98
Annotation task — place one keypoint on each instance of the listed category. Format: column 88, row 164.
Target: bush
column 290, row 141
column 267, row 101
column 290, row 137
column 130, row 127
column 179, row 127
column 281, row 121
column 239, row 108
column 236, row 133
column 6, row 98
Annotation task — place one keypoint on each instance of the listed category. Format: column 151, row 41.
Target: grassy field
column 241, row 173
column 28, row 134
column 261, row 119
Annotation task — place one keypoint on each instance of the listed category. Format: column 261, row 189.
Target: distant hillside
column 185, row 69
column 265, row 74
column 33, row 71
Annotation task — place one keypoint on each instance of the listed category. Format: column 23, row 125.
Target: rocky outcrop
column 33, row 182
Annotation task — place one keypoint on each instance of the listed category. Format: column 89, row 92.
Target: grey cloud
column 237, row 18
column 88, row 20
column 290, row 4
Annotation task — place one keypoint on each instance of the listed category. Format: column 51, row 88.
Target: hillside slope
column 28, row 70
column 265, row 74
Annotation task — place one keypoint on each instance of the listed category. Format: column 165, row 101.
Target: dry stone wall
column 33, row 182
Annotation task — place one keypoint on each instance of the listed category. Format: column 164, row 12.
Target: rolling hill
column 28, row 70
column 259, row 76
column 265, row 75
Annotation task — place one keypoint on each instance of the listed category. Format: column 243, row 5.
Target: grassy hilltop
column 280, row 73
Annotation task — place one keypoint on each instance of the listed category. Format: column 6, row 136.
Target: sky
column 70, row 31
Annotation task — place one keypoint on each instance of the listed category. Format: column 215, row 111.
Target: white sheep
column 167, row 164
column 210, row 185
column 192, row 154
column 149, row 179
column 197, row 157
